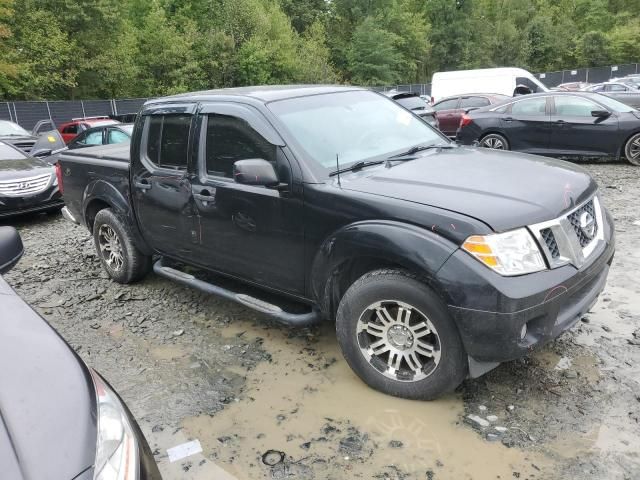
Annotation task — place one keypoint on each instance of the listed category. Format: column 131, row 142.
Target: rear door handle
column 508, row 119
column 143, row 185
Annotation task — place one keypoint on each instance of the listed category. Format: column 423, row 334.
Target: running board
column 274, row 311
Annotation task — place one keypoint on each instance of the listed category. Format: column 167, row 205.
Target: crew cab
column 436, row 261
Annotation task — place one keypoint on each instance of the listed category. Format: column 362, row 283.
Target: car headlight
column 508, row 253
column 116, row 447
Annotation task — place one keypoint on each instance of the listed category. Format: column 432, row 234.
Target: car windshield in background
column 356, row 126
column 10, row 153
column 612, row 104
column 10, row 128
column 412, row 103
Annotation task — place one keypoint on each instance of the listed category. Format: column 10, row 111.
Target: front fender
column 413, row 248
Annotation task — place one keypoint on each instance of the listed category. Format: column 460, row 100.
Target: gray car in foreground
column 59, row 419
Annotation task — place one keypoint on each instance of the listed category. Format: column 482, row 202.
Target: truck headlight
column 116, row 447
column 508, row 253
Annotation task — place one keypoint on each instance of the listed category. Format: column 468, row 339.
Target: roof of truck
column 265, row 93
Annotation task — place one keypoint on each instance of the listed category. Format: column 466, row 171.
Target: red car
column 70, row 130
column 449, row 110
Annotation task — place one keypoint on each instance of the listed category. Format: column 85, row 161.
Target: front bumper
column 49, row 199
column 491, row 310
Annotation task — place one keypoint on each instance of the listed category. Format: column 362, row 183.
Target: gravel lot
column 191, row 366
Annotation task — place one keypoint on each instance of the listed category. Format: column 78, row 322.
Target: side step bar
column 293, row 319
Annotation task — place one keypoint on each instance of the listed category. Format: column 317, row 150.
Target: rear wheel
column 632, row 150
column 397, row 336
column 116, row 248
column 494, row 141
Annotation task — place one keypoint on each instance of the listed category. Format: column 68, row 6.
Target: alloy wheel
column 398, row 340
column 110, row 247
column 633, row 150
column 494, row 142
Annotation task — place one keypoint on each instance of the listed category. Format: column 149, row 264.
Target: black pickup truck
column 436, row 261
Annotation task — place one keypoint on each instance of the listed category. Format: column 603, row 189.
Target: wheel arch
column 365, row 246
column 99, row 195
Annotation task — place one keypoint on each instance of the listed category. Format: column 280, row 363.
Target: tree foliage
column 114, row 48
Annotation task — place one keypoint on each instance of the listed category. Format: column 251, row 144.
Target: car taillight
column 465, row 120
column 59, row 177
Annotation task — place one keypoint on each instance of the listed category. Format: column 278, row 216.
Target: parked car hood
column 17, row 138
column 23, row 168
column 505, row 190
column 47, row 399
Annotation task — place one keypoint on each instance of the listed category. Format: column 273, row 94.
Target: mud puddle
column 314, row 419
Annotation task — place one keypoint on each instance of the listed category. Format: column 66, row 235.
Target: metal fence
column 27, row 114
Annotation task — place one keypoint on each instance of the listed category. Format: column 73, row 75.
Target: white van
column 486, row 80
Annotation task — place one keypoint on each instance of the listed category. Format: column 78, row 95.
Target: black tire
column 494, row 139
column 134, row 264
column 632, row 150
column 395, row 285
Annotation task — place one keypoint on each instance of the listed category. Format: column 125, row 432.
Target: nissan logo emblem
column 588, row 225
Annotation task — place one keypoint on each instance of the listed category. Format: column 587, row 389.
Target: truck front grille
column 25, row 186
column 550, row 241
column 573, row 237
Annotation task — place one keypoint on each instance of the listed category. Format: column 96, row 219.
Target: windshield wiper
column 418, row 148
column 356, row 166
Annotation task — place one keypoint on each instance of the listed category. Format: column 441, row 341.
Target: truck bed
column 96, row 173
column 118, row 152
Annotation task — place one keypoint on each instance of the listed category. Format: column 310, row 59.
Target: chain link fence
column 27, row 114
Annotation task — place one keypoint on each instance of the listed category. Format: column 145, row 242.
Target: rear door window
column 532, row 107
column 467, row 102
column 168, row 140
column 450, row 104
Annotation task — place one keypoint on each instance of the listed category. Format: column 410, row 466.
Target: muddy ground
column 270, row 402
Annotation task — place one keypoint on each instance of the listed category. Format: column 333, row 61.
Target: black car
column 59, row 419
column 15, row 135
column 102, row 135
column 415, row 103
column 435, row 260
column 558, row 124
column 27, row 184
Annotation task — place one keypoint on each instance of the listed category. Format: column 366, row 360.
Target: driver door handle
column 508, row 119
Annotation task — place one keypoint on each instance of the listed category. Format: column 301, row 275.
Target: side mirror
column 45, row 152
column 255, row 171
column 11, row 248
column 600, row 113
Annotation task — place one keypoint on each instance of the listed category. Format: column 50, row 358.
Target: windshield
column 355, row 125
column 612, row 104
column 10, row 128
column 10, row 153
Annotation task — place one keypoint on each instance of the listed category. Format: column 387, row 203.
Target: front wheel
column 494, row 141
column 632, row 150
column 117, row 250
column 398, row 337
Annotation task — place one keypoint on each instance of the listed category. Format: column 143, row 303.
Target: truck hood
column 505, row 190
column 47, row 399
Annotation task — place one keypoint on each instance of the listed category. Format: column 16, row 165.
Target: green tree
column 593, row 49
column 373, row 58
